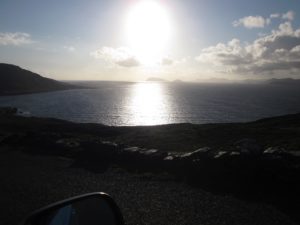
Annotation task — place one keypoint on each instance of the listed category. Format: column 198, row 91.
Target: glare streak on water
column 161, row 103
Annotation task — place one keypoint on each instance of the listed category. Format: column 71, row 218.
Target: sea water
column 151, row 103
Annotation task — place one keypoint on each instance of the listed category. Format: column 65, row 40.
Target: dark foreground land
column 244, row 173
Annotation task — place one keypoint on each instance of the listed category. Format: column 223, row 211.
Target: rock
column 109, row 143
column 132, row 149
column 274, row 150
column 272, row 153
column 248, row 147
column 150, row 152
column 235, row 153
column 97, row 151
column 12, row 139
column 294, row 153
column 8, row 111
column 69, row 143
column 169, row 158
column 136, row 153
column 3, row 138
column 220, row 154
column 195, row 154
column 23, row 113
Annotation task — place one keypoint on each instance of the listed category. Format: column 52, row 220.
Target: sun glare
column 147, row 102
column 148, row 30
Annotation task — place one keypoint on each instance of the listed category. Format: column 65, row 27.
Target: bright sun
column 148, row 30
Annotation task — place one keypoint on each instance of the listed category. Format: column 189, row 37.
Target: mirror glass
column 89, row 211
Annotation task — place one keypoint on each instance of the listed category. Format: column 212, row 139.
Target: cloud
column 276, row 52
column 128, row 62
column 252, row 22
column 260, row 22
column 70, row 48
column 290, row 15
column 15, row 39
column 120, row 56
column 275, row 15
column 166, row 61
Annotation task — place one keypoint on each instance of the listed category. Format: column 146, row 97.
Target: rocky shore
column 256, row 161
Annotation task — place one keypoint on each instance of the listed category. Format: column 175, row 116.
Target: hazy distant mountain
column 15, row 80
column 214, row 80
column 284, row 81
column 157, row 79
column 252, row 81
column 178, row 81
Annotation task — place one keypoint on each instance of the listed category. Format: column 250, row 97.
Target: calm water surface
column 161, row 103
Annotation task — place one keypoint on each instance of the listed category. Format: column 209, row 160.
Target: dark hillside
column 15, row 80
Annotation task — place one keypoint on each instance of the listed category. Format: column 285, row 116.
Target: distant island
column 156, row 79
column 15, row 80
column 279, row 81
column 284, row 81
column 178, row 81
column 215, row 80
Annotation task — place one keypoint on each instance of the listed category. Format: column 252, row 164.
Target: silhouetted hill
column 15, row 80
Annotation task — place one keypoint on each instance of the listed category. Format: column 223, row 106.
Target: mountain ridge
column 16, row 80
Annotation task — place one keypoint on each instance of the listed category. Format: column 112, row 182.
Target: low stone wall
column 246, row 166
column 7, row 111
column 245, row 163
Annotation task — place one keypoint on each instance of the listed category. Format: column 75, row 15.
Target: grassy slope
column 281, row 131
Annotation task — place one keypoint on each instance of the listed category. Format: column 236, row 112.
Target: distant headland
column 15, row 80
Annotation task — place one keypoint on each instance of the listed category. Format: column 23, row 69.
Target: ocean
column 151, row 103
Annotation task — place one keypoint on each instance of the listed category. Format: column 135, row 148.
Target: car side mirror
column 89, row 209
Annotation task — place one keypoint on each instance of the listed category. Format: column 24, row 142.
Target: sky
column 131, row 40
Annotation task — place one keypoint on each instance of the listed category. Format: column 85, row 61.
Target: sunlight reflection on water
column 148, row 104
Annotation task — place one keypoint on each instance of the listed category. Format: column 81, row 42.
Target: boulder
column 235, row 153
column 169, row 158
column 274, row 150
column 68, row 143
column 150, row 152
column 132, row 149
column 8, row 111
column 276, row 153
column 4, row 137
column 220, row 154
column 23, row 113
column 195, row 154
column 294, row 153
column 113, row 144
column 248, row 147
column 97, row 151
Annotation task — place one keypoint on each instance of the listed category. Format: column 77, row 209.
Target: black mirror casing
column 89, row 209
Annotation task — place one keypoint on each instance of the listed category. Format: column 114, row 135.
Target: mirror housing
column 89, row 209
